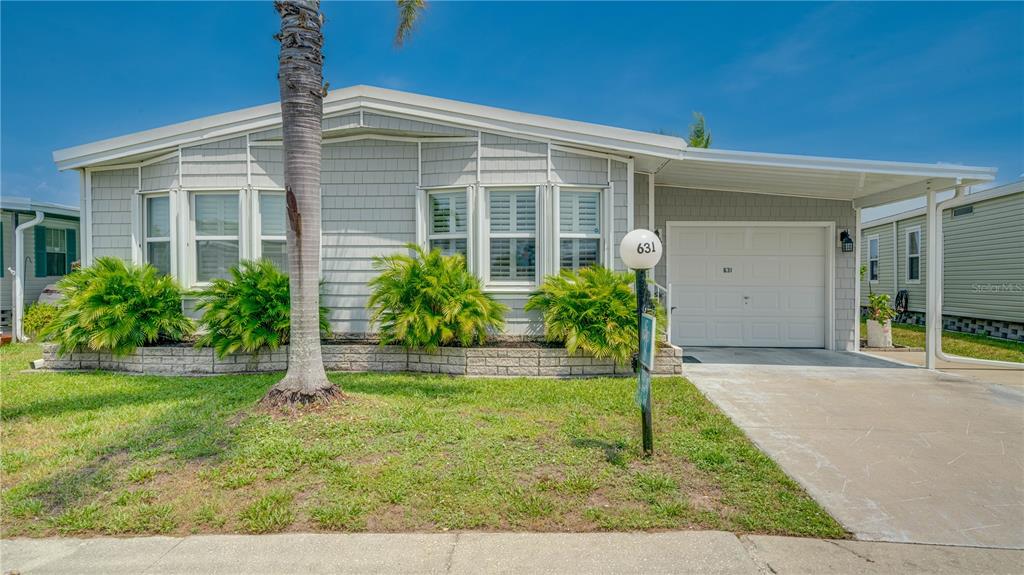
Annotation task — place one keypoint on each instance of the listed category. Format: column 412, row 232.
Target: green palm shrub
column 37, row 317
column 426, row 300
column 114, row 306
column 591, row 311
column 250, row 311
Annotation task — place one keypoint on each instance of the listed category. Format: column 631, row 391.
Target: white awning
column 865, row 182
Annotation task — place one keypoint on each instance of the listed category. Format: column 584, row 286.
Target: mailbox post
column 640, row 251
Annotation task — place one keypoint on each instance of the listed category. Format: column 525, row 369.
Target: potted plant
column 880, row 315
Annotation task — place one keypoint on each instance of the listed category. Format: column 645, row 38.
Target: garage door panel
column 748, row 285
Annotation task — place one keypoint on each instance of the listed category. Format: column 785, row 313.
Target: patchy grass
column 956, row 343
column 103, row 453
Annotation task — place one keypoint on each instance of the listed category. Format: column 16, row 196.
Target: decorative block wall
column 480, row 361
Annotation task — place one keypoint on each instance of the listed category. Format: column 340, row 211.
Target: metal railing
column 664, row 297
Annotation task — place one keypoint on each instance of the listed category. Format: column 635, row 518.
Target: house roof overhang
column 28, row 205
column 864, row 182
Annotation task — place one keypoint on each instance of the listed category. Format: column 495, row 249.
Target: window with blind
column 215, row 217
column 513, row 235
column 448, row 226
column 158, row 232
column 579, row 229
column 56, row 252
column 273, row 233
column 873, row 258
column 914, row 255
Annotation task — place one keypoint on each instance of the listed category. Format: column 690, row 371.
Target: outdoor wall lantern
column 846, row 241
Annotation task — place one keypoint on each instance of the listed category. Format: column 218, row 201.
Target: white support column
column 856, row 285
column 933, row 315
column 650, row 202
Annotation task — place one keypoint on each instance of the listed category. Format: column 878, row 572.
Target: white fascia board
column 472, row 116
column 954, row 202
column 822, row 163
column 21, row 204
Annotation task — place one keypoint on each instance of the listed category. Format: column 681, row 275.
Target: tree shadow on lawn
column 614, row 453
column 403, row 385
column 193, row 422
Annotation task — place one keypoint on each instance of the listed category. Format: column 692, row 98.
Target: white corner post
column 856, row 285
column 933, row 276
column 19, row 274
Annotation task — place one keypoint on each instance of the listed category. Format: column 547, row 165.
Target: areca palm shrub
column 592, row 311
column 427, row 300
column 115, row 306
column 250, row 311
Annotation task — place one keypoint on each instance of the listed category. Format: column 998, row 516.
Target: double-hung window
column 513, row 235
column 56, row 252
column 273, row 230
column 914, row 255
column 579, row 229
column 157, row 224
column 215, row 217
column 873, row 258
column 449, row 222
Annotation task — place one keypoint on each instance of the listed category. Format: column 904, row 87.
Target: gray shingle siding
column 161, row 175
column 449, row 163
column 507, row 160
column 641, row 210
column 267, row 166
column 567, row 167
column 384, row 122
column 620, row 209
column 341, row 122
column 111, row 221
column 369, row 209
column 682, row 204
column 215, row 165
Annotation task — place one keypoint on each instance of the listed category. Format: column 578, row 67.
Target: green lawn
column 102, row 453
column 955, row 343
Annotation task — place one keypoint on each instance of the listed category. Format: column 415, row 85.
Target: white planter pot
column 879, row 334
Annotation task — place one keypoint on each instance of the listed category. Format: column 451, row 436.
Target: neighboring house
column 983, row 261
column 50, row 248
column 753, row 255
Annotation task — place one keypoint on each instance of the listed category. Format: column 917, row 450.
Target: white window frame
column 257, row 248
column 524, row 286
column 876, row 259
column 428, row 218
column 600, row 236
column 920, row 260
column 194, row 239
column 146, row 240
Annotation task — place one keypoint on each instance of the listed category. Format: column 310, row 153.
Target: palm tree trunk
column 301, row 78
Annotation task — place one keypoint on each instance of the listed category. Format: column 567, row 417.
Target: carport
column 800, row 308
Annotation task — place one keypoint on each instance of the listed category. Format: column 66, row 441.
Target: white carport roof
column 865, row 182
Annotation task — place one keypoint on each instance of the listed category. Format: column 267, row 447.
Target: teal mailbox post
column 641, row 251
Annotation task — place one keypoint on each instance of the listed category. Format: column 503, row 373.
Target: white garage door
column 749, row 285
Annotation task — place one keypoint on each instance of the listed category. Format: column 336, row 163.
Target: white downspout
column 19, row 274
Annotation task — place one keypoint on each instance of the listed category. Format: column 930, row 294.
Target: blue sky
column 911, row 82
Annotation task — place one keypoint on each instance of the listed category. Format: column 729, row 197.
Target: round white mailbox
column 640, row 250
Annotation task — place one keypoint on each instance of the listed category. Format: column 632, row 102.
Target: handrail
column 664, row 296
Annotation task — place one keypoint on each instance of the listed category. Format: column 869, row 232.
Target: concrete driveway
column 895, row 453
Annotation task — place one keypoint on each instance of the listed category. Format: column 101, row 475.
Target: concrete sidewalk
column 983, row 373
column 704, row 552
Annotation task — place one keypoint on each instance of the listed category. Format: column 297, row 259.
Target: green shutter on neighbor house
column 40, row 256
column 71, row 237
column 3, row 271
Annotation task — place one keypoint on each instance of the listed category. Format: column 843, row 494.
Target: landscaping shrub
column 37, row 317
column 592, row 310
column 426, row 300
column 114, row 306
column 250, row 311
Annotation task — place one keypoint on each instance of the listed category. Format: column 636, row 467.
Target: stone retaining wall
column 479, row 361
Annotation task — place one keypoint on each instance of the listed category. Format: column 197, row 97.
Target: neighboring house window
column 513, row 235
column 273, row 230
column 56, row 252
column 873, row 258
column 579, row 229
column 914, row 255
column 215, row 217
column 158, row 232
column 448, row 225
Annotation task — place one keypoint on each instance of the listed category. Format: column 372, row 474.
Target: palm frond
column 408, row 13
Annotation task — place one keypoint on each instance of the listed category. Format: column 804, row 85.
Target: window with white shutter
column 513, row 235
column 579, row 229
column 449, row 222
